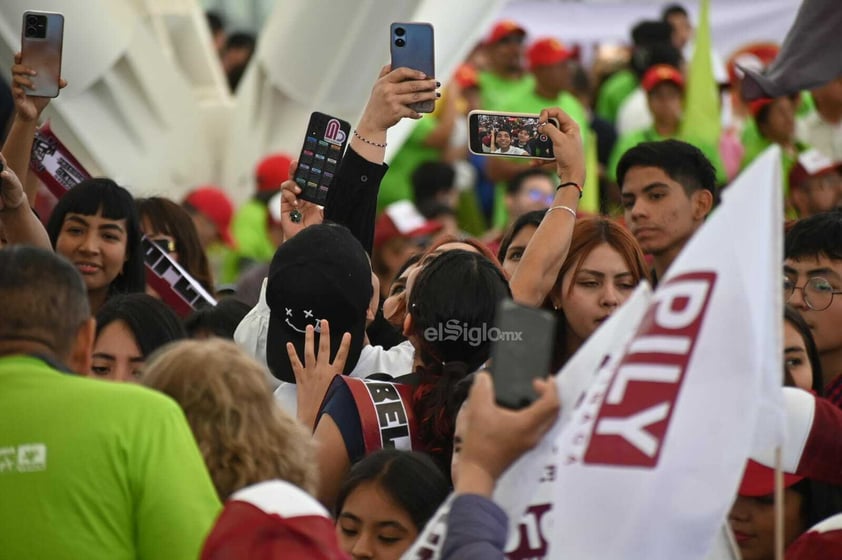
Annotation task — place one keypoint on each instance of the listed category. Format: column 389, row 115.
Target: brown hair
column 168, row 218
column 243, row 436
column 588, row 234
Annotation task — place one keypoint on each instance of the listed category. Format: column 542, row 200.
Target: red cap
column 271, row 172
column 759, row 480
column 547, row 51
column 215, row 205
column 753, row 57
column 811, row 163
column 466, row 76
column 661, row 73
column 402, row 219
column 502, row 29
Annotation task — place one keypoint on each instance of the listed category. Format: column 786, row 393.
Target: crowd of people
column 312, row 408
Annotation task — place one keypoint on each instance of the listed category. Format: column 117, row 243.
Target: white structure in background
column 337, row 51
column 129, row 112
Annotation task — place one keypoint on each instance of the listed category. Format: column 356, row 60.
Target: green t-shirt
column 613, row 92
column 94, row 469
column 397, row 182
column 632, row 139
column 250, row 230
column 496, row 92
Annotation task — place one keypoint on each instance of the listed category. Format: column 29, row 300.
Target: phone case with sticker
column 324, row 146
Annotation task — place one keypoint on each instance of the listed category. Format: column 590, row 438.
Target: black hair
column 433, row 210
column 455, row 297
column 115, row 203
column 647, row 33
column 682, row 162
column 673, row 10
column 44, row 298
column 820, row 234
column 431, row 178
column 409, row 262
column 532, row 218
column 819, row 500
column 220, row 320
column 644, row 58
column 215, row 22
column 152, row 323
column 514, row 184
column 409, row 478
column 240, row 40
column 794, row 318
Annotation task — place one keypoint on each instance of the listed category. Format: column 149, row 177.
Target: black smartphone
column 323, row 149
column 492, row 133
column 411, row 46
column 42, row 36
column 523, row 345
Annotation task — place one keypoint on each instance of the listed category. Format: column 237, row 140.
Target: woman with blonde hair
column 243, row 436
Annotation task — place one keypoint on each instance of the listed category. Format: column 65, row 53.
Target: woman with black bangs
column 95, row 227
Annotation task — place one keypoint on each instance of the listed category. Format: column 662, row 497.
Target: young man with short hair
column 813, row 285
column 668, row 189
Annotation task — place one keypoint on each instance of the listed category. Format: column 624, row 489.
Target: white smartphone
column 492, row 133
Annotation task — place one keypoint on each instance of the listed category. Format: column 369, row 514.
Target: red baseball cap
column 547, row 51
column 271, row 172
column 217, row 207
column 661, row 73
column 402, row 219
column 754, row 107
column 811, row 163
column 759, row 480
column 502, row 29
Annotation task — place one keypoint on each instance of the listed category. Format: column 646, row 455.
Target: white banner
column 652, row 459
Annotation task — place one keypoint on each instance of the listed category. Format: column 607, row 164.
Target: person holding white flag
column 633, row 457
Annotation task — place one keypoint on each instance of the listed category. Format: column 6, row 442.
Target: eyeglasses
column 166, row 244
column 817, row 292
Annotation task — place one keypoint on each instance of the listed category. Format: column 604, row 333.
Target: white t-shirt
column 513, row 150
column 826, row 137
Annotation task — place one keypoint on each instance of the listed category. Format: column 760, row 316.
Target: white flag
column 652, row 459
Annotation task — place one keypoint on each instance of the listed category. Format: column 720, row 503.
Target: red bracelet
column 571, row 184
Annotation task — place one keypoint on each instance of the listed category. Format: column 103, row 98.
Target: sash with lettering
column 651, row 461
column 385, row 409
column 60, row 171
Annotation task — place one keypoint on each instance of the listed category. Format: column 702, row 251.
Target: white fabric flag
column 525, row 491
column 651, row 461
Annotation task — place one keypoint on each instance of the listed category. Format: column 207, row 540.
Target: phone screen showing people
column 509, row 135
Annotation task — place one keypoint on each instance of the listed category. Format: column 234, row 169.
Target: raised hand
column 28, row 107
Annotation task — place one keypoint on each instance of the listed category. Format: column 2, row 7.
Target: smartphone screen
column 508, row 134
column 319, row 160
column 523, row 344
column 411, row 46
column 42, row 36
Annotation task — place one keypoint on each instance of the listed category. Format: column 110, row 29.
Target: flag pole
column 779, row 506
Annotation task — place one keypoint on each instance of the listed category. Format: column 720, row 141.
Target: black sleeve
column 339, row 405
column 352, row 198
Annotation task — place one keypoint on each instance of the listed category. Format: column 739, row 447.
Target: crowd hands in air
column 127, row 430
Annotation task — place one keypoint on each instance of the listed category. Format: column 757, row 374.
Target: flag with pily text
column 652, row 458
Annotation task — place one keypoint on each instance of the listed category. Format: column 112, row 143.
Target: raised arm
column 21, row 224
column 548, row 248
column 28, row 109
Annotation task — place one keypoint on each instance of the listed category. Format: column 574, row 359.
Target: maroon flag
column 811, row 55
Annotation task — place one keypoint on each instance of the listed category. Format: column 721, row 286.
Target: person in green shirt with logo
column 88, row 469
column 664, row 87
column 506, row 76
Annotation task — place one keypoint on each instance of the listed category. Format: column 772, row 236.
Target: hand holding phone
column 412, row 46
column 493, row 133
column 522, row 352
column 42, row 38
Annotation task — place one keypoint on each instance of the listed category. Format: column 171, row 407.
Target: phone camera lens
column 400, row 31
column 32, row 20
column 400, row 42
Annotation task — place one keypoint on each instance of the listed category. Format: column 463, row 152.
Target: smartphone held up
column 412, row 46
column 493, row 133
column 42, row 36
